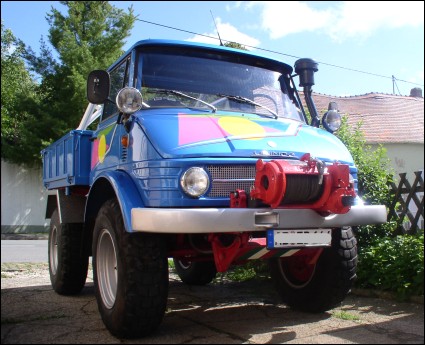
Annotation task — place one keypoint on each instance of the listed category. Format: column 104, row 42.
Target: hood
column 228, row 135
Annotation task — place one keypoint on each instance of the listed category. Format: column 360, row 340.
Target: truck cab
column 206, row 155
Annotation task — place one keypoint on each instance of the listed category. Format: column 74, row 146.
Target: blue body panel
column 164, row 143
column 179, row 133
column 66, row 162
column 126, row 192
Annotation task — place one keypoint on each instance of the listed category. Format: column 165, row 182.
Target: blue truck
column 205, row 155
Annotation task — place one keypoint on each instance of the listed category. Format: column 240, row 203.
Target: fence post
column 412, row 192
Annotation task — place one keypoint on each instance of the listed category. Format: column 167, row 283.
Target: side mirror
column 98, row 86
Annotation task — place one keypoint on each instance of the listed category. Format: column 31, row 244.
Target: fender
column 110, row 184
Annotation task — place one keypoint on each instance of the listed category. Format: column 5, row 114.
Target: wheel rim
column 297, row 272
column 53, row 257
column 184, row 264
column 106, row 266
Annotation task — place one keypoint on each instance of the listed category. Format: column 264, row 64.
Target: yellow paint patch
column 242, row 127
column 102, row 148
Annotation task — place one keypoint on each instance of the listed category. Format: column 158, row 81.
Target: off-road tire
column 195, row 273
column 67, row 263
column 130, row 273
column 330, row 282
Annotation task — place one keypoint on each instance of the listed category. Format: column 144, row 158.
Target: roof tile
column 386, row 118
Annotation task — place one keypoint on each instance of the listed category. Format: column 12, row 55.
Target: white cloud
column 233, row 5
column 340, row 20
column 362, row 18
column 281, row 18
column 418, row 77
column 227, row 33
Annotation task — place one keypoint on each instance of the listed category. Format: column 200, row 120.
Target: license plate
column 299, row 238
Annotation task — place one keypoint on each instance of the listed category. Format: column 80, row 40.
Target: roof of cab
column 195, row 45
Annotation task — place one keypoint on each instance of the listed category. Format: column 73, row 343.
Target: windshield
column 211, row 82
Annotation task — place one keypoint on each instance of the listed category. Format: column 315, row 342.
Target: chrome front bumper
column 207, row 220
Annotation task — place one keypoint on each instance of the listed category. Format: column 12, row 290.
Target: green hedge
column 393, row 264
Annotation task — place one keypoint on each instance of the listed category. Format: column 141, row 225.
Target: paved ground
column 23, row 251
column 226, row 312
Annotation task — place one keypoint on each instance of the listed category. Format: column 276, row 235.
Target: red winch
column 307, row 183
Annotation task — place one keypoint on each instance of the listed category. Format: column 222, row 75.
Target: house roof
column 386, row 118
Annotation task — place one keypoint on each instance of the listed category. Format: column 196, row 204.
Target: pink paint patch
column 94, row 154
column 271, row 130
column 194, row 129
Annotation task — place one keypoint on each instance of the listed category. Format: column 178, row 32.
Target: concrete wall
column 406, row 158
column 23, row 200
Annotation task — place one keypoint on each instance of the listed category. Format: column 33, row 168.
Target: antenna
column 221, row 43
column 395, row 83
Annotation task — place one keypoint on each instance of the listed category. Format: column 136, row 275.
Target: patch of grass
column 241, row 273
column 255, row 269
column 9, row 321
column 171, row 264
column 343, row 315
column 23, row 266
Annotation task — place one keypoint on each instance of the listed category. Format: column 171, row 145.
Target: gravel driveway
column 223, row 312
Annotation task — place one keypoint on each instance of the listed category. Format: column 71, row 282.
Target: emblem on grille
column 273, row 154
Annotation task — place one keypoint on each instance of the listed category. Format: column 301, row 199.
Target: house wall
column 23, row 200
column 405, row 158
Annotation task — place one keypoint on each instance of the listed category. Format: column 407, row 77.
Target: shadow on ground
column 248, row 312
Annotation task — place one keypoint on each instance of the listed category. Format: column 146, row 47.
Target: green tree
column 19, row 96
column 235, row 45
column 89, row 36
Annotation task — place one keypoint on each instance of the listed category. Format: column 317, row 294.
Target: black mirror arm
column 315, row 120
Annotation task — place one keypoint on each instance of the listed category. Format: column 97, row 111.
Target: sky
column 359, row 45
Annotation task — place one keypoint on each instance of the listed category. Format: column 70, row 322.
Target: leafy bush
column 374, row 176
column 393, row 264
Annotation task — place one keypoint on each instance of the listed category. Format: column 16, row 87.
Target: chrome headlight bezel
column 195, row 182
column 129, row 100
column 332, row 120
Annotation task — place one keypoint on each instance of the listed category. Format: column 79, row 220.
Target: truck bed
column 66, row 162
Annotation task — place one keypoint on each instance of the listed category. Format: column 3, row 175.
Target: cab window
column 119, row 79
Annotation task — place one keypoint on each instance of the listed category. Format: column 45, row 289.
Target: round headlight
column 195, row 182
column 331, row 120
column 129, row 100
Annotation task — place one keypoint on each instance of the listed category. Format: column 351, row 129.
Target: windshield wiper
column 174, row 92
column 249, row 101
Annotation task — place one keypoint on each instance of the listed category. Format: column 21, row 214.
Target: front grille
column 228, row 178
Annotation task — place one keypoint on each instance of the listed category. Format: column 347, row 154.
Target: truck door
column 105, row 150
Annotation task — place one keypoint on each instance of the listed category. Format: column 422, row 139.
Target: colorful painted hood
column 229, row 135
